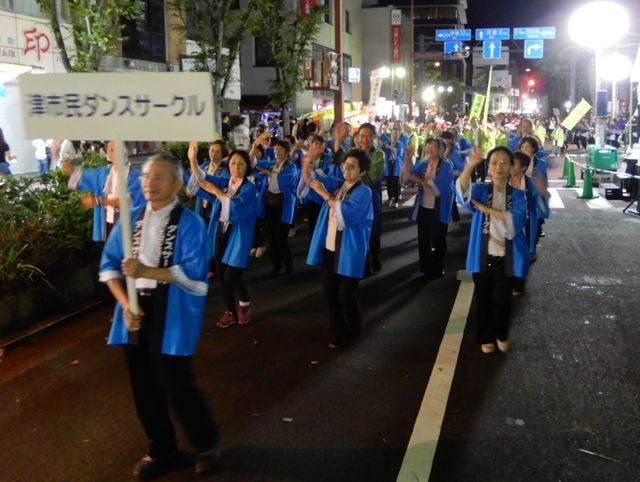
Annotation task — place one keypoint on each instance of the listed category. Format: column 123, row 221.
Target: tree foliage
column 288, row 36
column 96, row 30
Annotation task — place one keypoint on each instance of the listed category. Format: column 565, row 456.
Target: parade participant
column 170, row 267
column 338, row 145
column 340, row 240
column 530, row 146
column 231, row 229
column 318, row 156
column 525, row 128
column 537, row 206
column 373, row 178
column 281, row 179
column 432, row 208
column 393, row 148
column 102, row 186
column 497, row 249
column 5, row 156
column 453, row 154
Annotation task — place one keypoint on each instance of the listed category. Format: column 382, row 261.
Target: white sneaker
column 260, row 251
column 396, row 205
column 292, row 232
column 252, row 252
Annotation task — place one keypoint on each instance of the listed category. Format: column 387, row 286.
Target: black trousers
column 159, row 381
column 313, row 211
column 279, row 250
column 345, row 320
column 432, row 234
column 393, row 188
column 493, row 301
column 231, row 284
column 259, row 238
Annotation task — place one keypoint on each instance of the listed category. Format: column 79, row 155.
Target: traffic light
column 531, row 83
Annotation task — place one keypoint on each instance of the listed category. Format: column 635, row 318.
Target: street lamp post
column 598, row 25
column 615, row 68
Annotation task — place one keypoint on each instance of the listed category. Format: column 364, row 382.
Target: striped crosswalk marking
column 554, row 200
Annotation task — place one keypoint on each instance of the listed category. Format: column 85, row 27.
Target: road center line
column 418, row 459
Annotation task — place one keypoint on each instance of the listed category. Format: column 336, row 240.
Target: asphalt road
column 291, row 409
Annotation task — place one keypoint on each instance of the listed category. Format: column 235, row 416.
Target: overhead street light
column 429, row 94
column 400, row 72
column 614, row 68
column 597, row 25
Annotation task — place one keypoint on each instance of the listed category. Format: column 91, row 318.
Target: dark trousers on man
column 432, row 242
column 279, row 250
column 393, row 188
column 493, row 301
column 345, row 320
column 158, row 381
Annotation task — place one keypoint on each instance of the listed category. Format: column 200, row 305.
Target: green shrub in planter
column 44, row 230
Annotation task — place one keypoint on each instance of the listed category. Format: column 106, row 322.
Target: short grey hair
column 178, row 171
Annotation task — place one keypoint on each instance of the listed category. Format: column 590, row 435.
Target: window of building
column 347, row 21
column 263, row 55
column 145, row 35
column 328, row 15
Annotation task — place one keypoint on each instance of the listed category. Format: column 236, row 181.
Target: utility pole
column 338, row 95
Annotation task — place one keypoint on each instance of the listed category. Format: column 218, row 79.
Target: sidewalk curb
column 14, row 340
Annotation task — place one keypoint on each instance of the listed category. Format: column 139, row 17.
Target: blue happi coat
column 354, row 216
column 443, row 182
column 517, row 251
column 94, row 180
column 222, row 171
column 537, row 208
column 186, row 297
column 240, row 211
column 287, row 182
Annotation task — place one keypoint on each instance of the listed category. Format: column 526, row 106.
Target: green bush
column 44, row 230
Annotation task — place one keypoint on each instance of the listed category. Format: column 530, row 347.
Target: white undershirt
column 152, row 235
column 497, row 228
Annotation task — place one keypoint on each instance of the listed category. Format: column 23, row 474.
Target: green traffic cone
column 587, row 186
column 565, row 170
column 571, row 175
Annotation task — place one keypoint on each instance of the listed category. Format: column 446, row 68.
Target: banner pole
column 125, row 222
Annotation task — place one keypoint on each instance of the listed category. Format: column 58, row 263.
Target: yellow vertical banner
column 488, row 99
column 477, row 103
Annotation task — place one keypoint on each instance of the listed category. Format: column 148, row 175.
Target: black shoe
column 375, row 265
column 337, row 343
column 151, row 467
column 207, row 461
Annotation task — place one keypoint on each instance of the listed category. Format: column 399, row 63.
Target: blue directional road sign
column 492, row 49
column 493, row 34
column 533, row 49
column 451, row 47
column 534, row 33
column 455, row 34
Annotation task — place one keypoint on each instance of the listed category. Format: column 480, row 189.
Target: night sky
column 532, row 13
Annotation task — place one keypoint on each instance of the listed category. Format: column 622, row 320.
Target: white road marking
column 418, row 459
column 596, row 203
column 409, row 202
column 554, row 200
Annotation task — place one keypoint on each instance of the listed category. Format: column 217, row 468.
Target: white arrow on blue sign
column 533, row 49
column 493, row 34
column 450, row 47
column 454, row 34
column 492, row 49
column 534, row 33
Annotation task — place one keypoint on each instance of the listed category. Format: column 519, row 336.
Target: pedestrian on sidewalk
column 497, row 249
column 231, row 229
column 169, row 265
column 340, row 240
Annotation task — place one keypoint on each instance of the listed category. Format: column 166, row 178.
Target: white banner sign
column 133, row 107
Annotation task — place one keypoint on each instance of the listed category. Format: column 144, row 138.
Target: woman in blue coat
column 281, row 178
column 432, row 208
column 230, row 234
column 530, row 146
column 393, row 148
column 497, row 247
column 340, row 240
column 102, row 186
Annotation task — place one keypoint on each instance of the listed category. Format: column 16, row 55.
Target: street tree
column 288, row 35
column 96, row 30
column 218, row 29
